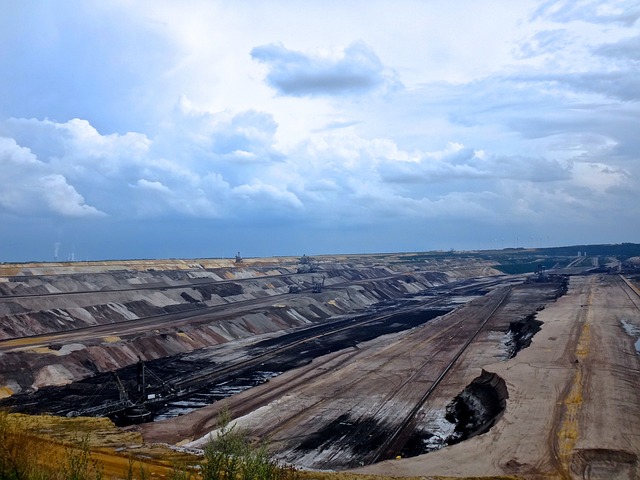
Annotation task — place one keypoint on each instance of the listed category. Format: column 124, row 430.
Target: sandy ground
column 573, row 408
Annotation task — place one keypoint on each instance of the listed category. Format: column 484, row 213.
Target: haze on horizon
column 155, row 129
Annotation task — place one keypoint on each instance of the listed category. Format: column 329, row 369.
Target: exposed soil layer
column 478, row 407
column 472, row 412
column 521, row 333
column 202, row 381
column 359, row 401
column 332, row 389
column 57, row 329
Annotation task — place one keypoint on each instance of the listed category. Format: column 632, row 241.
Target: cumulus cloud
column 30, row 187
column 598, row 177
column 76, row 146
column 153, row 186
column 151, row 199
column 354, row 70
column 207, row 165
column 226, row 165
column 63, row 198
column 368, row 180
column 196, row 133
column 258, row 194
column 468, row 164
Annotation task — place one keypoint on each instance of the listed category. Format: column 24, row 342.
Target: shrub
column 232, row 456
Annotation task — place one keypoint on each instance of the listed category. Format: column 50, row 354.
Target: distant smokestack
column 56, row 250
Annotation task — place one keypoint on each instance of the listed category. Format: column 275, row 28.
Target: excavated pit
column 520, row 334
column 206, row 376
column 202, row 380
column 348, row 439
column 478, row 407
column 472, row 412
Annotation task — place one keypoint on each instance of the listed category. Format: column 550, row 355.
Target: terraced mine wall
column 185, row 306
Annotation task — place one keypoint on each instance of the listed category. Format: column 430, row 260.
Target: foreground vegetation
column 31, row 450
column 54, row 448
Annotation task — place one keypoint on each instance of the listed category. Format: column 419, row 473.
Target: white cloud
column 76, row 146
column 622, row 84
column 62, row 198
column 544, row 42
column 153, row 186
column 356, row 69
column 263, row 196
column 29, row 187
column 624, row 12
column 598, row 177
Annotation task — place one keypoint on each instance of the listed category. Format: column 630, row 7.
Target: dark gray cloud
column 293, row 73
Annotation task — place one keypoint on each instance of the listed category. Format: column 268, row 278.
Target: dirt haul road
column 573, row 408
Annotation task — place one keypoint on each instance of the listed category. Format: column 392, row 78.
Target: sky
column 197, row 129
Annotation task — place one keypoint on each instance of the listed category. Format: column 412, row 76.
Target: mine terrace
column 516, row 362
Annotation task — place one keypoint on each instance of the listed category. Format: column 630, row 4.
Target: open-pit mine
column 517, row 363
